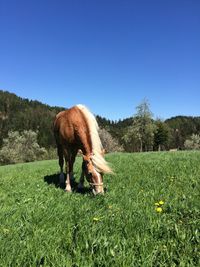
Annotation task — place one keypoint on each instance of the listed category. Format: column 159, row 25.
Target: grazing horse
column 77, row 129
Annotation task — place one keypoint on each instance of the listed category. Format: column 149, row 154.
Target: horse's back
column 58, row 120
column 70, row 117
column 68, row 124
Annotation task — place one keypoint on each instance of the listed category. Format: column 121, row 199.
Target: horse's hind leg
column 61, row 163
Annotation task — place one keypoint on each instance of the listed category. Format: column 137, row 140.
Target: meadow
column 149, row 215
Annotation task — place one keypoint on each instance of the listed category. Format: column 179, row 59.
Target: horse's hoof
column 80, row 187
column 68, row 190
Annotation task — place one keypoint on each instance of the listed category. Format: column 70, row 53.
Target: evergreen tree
column 161, row 136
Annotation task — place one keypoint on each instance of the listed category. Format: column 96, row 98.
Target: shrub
column 109, row 143
column 193, row 142
column 51, row 153
column 21, row 148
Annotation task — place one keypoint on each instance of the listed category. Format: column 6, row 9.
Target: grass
column 41, row 225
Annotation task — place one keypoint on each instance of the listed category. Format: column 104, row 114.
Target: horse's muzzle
column 96, row 190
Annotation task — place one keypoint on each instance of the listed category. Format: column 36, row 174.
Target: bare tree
column 109, row 143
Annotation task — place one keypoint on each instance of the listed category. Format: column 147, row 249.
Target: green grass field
column 41, row 225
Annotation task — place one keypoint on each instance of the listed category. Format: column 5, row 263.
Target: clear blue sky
column 106, row 54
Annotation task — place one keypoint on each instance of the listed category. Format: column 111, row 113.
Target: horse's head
column 94, row 178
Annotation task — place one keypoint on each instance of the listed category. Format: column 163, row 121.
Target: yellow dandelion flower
column 159, row 209
column 161, row 202
column 6, row 231
column 157, row 204
column 95, row 219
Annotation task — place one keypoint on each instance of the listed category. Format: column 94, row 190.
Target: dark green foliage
column 161, row 135
column 181, row 128
column 17, row 114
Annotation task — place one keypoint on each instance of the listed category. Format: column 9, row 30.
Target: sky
column 106, row 54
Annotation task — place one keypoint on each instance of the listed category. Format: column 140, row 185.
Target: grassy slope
column 41, row 225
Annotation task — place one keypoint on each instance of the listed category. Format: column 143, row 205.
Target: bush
column 51, row 153
column 21, row 148
column 109, row 143
column 193, row 142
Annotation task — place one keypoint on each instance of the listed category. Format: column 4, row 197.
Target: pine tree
column 161, row 135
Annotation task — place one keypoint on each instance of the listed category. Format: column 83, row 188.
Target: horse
column 76, row 129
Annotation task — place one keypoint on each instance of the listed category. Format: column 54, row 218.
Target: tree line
column 141, row 132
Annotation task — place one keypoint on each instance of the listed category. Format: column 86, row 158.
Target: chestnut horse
column 76, row 128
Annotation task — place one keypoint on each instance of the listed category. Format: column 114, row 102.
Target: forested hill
column 18, row 114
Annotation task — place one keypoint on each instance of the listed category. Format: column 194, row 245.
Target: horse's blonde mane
column 97, row 158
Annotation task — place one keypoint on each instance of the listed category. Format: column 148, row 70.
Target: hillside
column 18, row 114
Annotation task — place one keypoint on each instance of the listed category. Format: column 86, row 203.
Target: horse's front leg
column 67, row 183
column 69, row 171
column 61, row 163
